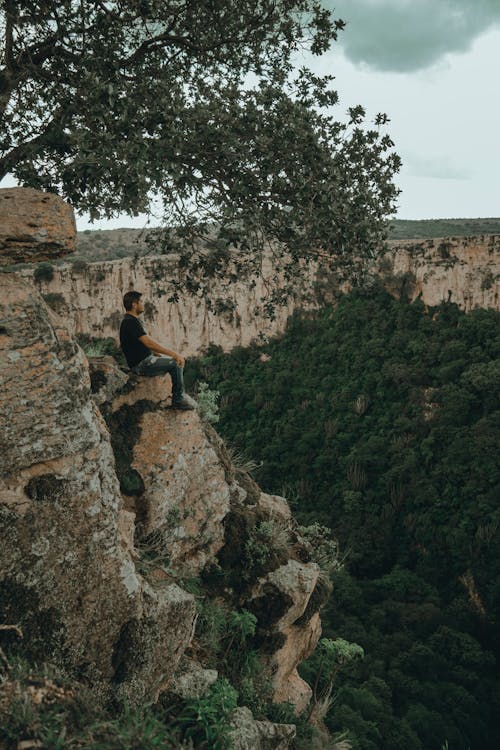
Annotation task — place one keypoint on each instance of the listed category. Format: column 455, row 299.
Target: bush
column 43, row 272
column 208, row 408
column 54, row 300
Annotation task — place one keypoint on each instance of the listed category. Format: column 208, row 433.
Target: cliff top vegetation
column 198, row 108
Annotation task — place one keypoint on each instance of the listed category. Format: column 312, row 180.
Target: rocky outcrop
column 109, row 501
column 34, row 226
column 92, row 563
column 280, row 600
column 249, row 734
column 193, row 504
column 67, row 575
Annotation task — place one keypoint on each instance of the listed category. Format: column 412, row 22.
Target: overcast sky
column 433, row 66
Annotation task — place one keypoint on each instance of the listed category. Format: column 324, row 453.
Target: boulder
column 280, row 600
column 300, row 642
column 186, row 496
column 250, row 734
column 34, row 226
column 191, row 680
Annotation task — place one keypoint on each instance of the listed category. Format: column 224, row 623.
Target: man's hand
column 157, row 348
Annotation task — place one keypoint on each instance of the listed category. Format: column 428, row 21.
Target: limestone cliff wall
column 464, row 270
column 89, row 297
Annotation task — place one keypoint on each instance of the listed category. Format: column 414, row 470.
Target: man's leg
column 161, row 365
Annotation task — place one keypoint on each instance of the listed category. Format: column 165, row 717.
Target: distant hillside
column 108, row 244
column 425, row 228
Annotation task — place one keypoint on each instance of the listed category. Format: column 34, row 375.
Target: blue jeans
column 159, row 365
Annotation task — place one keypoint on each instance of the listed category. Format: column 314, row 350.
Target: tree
column 119, row 105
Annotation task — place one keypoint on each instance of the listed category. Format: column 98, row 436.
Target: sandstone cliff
column 110, row 502
column 89, row 296
column 463, row 270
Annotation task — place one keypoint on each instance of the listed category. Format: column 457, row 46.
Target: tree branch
column 20, row 152
column 9, row 37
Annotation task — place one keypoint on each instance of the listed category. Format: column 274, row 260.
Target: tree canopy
column 380, row 419
column 198, row 106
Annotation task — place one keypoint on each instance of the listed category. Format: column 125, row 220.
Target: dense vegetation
column 381, row 419
column 428, row 228
column 213, row 126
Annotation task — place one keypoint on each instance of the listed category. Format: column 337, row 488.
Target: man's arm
column 157, row 348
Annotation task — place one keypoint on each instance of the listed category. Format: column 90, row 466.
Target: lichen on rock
column 34, row 226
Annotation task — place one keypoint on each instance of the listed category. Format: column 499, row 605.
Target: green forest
column 380, row 419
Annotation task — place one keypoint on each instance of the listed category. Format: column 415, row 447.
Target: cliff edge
column 112, row 504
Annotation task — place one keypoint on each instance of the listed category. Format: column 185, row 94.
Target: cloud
column 438, row 167
column 409, row 35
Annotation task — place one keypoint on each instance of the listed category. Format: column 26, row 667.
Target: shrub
column 208, row 408
column 79, row 265
column 55, row 300
column 43, row 272
column 266, row 545
column 206, row 720
column 323, row 548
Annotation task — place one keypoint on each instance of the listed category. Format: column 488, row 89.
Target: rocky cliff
column 110, row 502
column 88, row 296
column 463, row 270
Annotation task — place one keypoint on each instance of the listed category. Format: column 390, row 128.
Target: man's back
column 134, row 350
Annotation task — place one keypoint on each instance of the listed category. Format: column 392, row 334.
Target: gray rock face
column 249, row 734
column 44, row 401
column 191, row 680
column 34, row 226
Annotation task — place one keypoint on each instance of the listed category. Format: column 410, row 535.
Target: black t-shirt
column 134, row 350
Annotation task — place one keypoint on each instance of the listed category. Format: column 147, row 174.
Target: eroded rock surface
column 280, row 599
column 250, row 734
column 34, row 226
column 185, row 493
column 67, row 573
column 70, row 569
column 197, row 509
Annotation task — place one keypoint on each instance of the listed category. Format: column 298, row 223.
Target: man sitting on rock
column 141, row 352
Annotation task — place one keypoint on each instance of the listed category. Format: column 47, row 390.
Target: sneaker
column 184, row 404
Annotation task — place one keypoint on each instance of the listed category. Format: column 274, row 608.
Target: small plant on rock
column 267, row 543
column 323, row 548
column 208, row 408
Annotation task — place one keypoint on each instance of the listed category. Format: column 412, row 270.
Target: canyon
column 465, row 271
column 110, row 502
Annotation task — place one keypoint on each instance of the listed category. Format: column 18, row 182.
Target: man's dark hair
column 129, row 298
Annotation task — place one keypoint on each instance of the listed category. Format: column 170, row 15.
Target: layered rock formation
column 109, row 500
column 463, row 270
column 89, row 296
column 34, row 226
